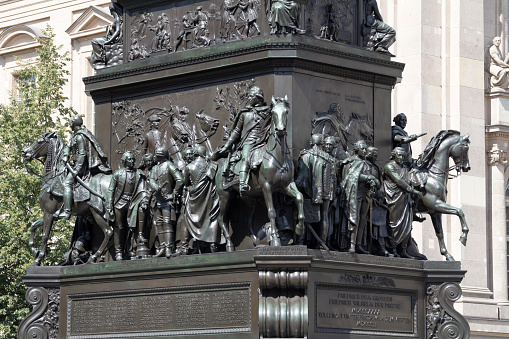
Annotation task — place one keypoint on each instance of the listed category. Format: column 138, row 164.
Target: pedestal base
column 271, row 292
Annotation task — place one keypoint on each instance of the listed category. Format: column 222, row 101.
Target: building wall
column 443, row 46
column 75, row 25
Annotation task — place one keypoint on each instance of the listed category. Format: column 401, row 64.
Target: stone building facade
column 443, row 44
column 75, row 23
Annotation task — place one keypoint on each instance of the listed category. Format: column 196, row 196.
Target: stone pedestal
column 288, row 292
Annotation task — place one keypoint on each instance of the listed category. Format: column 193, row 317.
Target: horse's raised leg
column 46, row 230
column 224, row 201
column 108, row 232
column 444, row 208
column 436, row 218
column 293, row 192
column 267, row 194
column 31, row 243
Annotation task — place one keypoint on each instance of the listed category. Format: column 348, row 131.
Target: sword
column 318, row 238
column 75, row 174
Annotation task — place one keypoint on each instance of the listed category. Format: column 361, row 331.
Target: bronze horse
column 50, row 147
column 275, row 174
column 434, row 162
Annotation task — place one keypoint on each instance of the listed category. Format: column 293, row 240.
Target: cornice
column 497, row 132
column 112, row 74
column 263, row 66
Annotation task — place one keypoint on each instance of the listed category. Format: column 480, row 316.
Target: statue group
column 165, row 206
column 196, row 27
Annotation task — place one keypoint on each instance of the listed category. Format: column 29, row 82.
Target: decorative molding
column 267, row 46
column 42, row 323
column 283, row 304
column 496, row 156
column 78, row 28
column 21, row 30
column 442, row 320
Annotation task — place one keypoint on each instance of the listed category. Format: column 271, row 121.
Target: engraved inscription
column 328, row 92
column 287, row 250
column 169, row 310
column 355, row 98
column 360, row 310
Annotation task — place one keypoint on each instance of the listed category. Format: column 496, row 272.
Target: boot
column 352, row 241
column 117, row 243
column 68, row 198
column 404, row 254
column 170, row 244
column 243, row 179
column 162, row 243
column 359, row 249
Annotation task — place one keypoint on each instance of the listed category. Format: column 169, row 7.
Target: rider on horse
column 88, row 157
column 249, row 132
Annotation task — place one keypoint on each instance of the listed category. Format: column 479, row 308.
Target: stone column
column 497, row 159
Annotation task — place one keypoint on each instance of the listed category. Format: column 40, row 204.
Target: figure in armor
column 88, row 158
column 166, row 181
column 124, row 183
column 249, row 132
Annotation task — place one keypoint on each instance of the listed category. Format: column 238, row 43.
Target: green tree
column 36, row 107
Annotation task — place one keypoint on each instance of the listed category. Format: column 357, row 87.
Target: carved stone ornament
column 42, row 323
column 442, row 320
column 496, row 156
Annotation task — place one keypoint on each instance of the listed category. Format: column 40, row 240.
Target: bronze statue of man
column 378, row 211
column 199, row 217
column 400, row 137
column 138, row 214
column 358, row 185
column 154, row 138
column 384, row 35
column 317, row 178
column 124, row 183
column 398, row 196
column 249, row 131
column 166, row 181
column 88, row 158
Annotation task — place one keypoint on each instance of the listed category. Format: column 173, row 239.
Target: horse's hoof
column 36, row 263
column 229, row 246
column 463, row 239
column 92, row 259
column 449, row 257
column 275, row 241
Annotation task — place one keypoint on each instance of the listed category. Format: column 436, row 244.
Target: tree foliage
column 36, row 107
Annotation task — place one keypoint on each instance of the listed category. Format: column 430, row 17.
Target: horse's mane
column 55, row 152
column 428, row 154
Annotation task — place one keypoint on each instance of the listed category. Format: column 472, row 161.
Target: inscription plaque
column 364, row 310
column 209, row 309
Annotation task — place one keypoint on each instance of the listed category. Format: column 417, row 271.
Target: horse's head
column 39, row 148
column 459, row 153
column 280, row 108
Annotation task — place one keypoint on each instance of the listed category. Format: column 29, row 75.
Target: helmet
column 200, row 150
column 76, row 120
column 162, row 151
column 257, row 91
